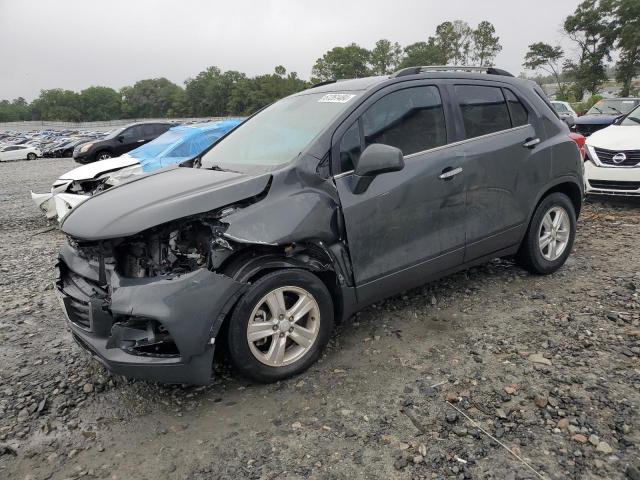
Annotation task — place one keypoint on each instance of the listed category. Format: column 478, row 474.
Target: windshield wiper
column 218, row 168
column 614, row 108
column 597, row 108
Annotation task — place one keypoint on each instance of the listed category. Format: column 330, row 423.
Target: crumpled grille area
column 79, row 291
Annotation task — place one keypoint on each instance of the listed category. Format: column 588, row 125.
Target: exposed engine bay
column 175, row 248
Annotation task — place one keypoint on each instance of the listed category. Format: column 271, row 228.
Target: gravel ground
column 409, row 388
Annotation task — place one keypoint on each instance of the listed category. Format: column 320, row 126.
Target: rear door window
column 484, row 109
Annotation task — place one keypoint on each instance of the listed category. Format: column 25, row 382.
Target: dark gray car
column 320, row 204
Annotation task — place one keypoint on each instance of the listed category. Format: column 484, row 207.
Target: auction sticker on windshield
column 336, row 98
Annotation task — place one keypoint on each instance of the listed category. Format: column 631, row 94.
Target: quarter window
column 350, row 148
column 484, row 109
column 519, row 115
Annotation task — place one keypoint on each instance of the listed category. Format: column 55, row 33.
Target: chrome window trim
column 454, row 144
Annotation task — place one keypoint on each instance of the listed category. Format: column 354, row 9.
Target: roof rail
column 325, row 82
column 450, row 68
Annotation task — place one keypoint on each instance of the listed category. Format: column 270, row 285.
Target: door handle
column 449, row 172
column 140, row 141
column 531, row 142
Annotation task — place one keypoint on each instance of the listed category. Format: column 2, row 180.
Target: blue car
column 181, row 143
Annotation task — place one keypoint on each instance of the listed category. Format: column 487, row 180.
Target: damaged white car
column 177, row 145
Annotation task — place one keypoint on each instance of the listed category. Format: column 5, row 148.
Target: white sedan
column 612, row 166
column 79, row 184
column 19, row 152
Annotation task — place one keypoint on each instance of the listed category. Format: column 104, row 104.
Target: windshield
column 560, row 107
column 633, row 118
column 278, row 133
column 612, row 107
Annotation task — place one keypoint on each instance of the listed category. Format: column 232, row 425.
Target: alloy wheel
column 283, row 326
column 554, row 232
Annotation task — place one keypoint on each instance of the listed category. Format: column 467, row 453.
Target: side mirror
column 375, row 160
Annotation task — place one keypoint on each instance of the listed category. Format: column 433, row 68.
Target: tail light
column 580, row 141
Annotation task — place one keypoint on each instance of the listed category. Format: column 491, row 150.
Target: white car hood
column 95, row 169
column 616, row 137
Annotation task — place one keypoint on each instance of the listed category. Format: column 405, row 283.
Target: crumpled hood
column 95, row 169
column 616, row 137
column 596, row 119
column 159, row 198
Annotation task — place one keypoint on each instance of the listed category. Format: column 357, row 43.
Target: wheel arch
column 254, row 262
column 569, row 186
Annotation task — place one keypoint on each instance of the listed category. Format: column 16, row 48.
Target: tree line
column 210, row 93
column 216, row 93
column 599, row 29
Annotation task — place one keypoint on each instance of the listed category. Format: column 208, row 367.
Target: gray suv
column 316, row 206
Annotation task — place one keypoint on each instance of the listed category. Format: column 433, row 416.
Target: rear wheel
column 280, row 326
column 550, row 236
column 103, row 155
column 31, row 156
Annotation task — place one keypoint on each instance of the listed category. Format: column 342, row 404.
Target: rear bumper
column 622, row 181
column 189, row 308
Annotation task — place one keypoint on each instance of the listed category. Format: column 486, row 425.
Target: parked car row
column 45, row 143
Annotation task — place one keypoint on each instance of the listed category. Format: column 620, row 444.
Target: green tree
column 100, row 103
column 462, row 41
column 351, row 61
column 251, row 94
column 207, row 94
column 385, row 57
column 626, row 27
column 14, row 111
column 150, row 98
column 486, row 45
column 445, row 40
column 546, row 57
column 57, row 104
column 592, row 30
column 422, row 54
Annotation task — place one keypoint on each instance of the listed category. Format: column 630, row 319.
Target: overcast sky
column 74, row 44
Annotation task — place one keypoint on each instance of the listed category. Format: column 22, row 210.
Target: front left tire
column 31, row 156
column 280, row 326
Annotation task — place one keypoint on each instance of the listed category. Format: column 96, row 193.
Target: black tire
column 530, row 255
column 240, row 352
column 31, row 156
column 105, row 154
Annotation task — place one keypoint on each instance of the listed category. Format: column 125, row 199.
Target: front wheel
column 280, row 326
column 103, row 155
column 550, row 236
column 31, row 156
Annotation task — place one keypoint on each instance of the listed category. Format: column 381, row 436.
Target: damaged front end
column 149, row 306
